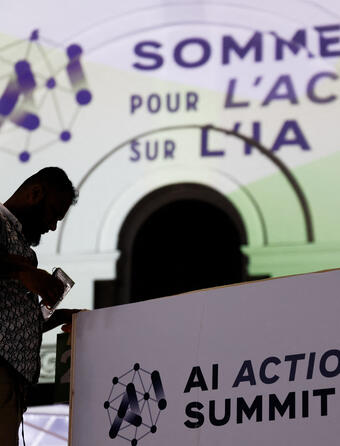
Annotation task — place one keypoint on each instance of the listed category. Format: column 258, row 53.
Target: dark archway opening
column 179, row 238
column 183, row 246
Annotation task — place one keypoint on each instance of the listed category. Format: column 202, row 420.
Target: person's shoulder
column 5, row 226
column 7, row 220
column 3, row 221
column 3, row 218
column 3, row 213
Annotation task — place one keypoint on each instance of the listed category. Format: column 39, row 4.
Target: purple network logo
column 134, row 404
column 41, row 93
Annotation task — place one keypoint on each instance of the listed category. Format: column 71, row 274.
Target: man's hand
column 59, row 317
column 38, row 281
column 66, row 317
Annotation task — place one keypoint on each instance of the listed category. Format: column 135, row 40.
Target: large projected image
column 164, row 114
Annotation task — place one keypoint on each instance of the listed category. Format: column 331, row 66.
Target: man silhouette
column 34, row 209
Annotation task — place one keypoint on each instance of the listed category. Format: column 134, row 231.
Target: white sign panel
column 257, row 363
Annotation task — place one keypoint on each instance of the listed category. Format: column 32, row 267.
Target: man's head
column 41, row 201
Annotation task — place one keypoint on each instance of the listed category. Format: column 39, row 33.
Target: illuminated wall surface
column 132, row 96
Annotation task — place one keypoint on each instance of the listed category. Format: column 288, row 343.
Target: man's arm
column 11, row 265
column 34, row 279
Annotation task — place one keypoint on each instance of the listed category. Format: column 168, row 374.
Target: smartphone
column 68, row 284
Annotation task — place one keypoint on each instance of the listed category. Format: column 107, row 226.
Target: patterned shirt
column 21, row 320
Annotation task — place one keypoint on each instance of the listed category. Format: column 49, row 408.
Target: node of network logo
column 134, row 404
column 42, row 89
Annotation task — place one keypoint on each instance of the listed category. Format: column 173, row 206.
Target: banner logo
column 134, row 404
column 41, row 93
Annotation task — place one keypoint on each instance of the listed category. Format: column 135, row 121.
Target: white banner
column 257, row 363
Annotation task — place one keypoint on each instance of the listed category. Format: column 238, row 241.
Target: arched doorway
column 180, row 238
column 183, row 246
